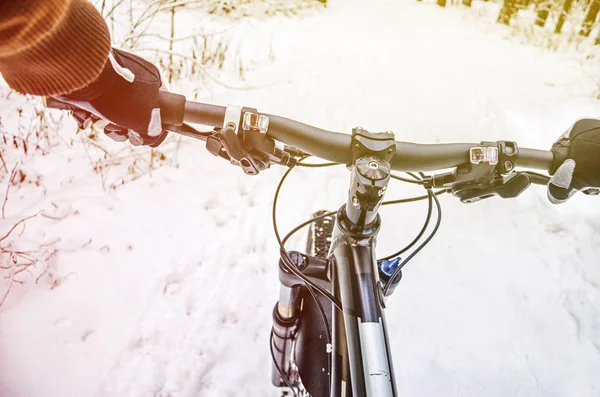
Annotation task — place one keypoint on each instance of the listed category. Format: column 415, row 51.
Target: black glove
column 578, row 165
column 125, row 95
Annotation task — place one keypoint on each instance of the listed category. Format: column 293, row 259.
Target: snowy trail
column 504, row 301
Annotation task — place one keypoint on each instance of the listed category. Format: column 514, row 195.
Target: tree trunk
column 543, row 9
column 563, row 15
column 467, row 3
column 509, row 9
column 590, row 18
column 542, row 15
column 441, row 3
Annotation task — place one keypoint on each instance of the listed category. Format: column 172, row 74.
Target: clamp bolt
column 373, row 165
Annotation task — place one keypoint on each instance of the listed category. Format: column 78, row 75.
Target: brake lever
column 505, row 187
column 490, row 172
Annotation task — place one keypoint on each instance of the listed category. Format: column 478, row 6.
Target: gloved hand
column 579, row 150
column 125, row 98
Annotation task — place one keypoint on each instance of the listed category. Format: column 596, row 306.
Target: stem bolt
column 508, row 165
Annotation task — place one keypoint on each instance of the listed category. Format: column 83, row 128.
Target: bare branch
column 3, row 163
column 113, row 8
column 10, row 178
column 20, row 222
column 6, row 294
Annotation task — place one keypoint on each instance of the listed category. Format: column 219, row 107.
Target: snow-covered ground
column 166, row 285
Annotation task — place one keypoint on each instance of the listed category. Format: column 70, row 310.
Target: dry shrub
column 118, row 164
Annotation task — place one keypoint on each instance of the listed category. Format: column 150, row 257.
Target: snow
column 166, row 285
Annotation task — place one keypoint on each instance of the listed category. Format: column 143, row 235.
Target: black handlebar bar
column 335, row 146
column 328, row 145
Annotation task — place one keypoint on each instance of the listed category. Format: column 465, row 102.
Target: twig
column 190, row 58
column 114, row 7
column 94, row 144
column 45, row 267
column 3, row 163
column 87, row 152
column 56, row 218
column 10, row 178
column 138, row 23
column 176, row 152
column 183, row 38
column 24, row 256
column 37, row 279
column 25, row 269
column 171, row 44
column 58, row 281
column 20, row 222
column 6, row 294
column 162, row 6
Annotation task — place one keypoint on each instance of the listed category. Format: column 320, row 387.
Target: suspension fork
column 287, row 312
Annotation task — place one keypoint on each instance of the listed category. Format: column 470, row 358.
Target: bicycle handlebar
column 335, row 146
column 328, row 145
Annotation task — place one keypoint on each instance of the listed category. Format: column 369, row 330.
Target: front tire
column 319, row 235
column 311, row 354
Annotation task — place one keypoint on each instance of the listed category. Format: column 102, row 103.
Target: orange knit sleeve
column 51, row 47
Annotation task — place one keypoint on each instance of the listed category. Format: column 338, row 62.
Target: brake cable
column 287, row 261
column 421, row 246
column 284, row 377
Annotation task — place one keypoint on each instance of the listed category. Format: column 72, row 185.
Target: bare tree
column 563, row 15
column 543, row 9
column 590, row 18
column 509, row 8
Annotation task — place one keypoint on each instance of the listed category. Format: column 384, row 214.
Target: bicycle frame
column 361, row 364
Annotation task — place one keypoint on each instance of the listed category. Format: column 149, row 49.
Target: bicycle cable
column 421, row 246
column 284, row 377
column 399, row 178
column 310, row 285
column 417, row 179
column 287, row 261
column 412, row 199
column 419, row 235
column 315, row 165
column 307, row 282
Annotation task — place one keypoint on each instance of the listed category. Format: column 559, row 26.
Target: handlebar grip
column 537, row 159
column 172, row 108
